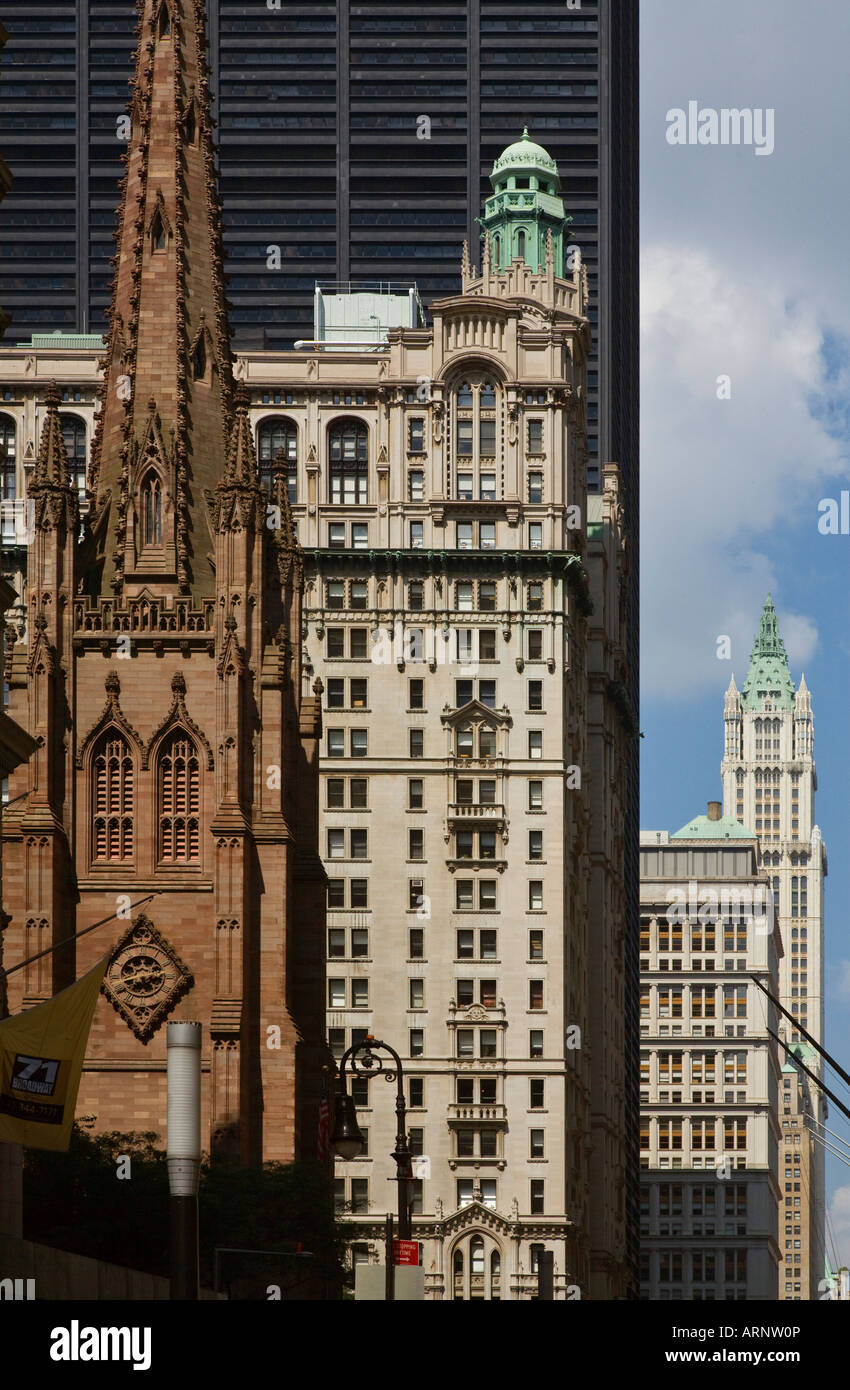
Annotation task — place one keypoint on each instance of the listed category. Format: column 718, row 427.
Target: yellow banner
column 41, row 1058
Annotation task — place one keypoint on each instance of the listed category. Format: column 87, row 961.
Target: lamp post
column 346, row 1138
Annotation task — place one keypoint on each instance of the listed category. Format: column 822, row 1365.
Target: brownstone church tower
column 174, row 786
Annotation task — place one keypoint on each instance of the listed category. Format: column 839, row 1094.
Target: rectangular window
column 359, row 694
column 359, row 535
column 415, row 793
column 358, row 790
column 488, row 945
column 487, row 596
column 336, row 994
column 535, row 695
column 359, row 593
column 466, row 1042
column 416, row 1092
column 534, row 643
column 359, row 845
column 415, row 892
column 487, row 1042
column 336, row 792
column 336, row 1042
column 336, row 844
column 535, row 895
column 359, row 941
column 487, row 438
column 464, row 597
column 463, row 894
column 535, row 743
column 487, row 487
column 464, row 487
column 336, row 694
column 416, row 844
column 336, row 941
column 416, row 435
column 416, row 595
column 336, row 535
column 360, row 892
column 417, row 994
column 464, row 438
column 359, row 743
column 535, row 844
column 535, row 487
column 535, row 436
column 535, row 994
column 416, row 943
column 537, row 1197
column 487, row 693
column 416, row 694
column 465, row 945
column 535, row 796
column 536, row 1093
column 536, row 1143
column 487, row 535
column 359, row 1195
column 487, row 894
column 535, row 1042
column 464, row 535
column 417, row 1042
column 336, row 643
column 487, row 644
column 417, row 535
column 535, row 535
column 335, row 594
column 417, row 743
column 535, row 945
column 336, row 892
column 488, row 1193
column 359, row 994
column 357, row 643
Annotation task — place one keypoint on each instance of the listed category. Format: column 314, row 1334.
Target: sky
column 745, row 386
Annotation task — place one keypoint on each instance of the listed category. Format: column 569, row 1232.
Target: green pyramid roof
column 768, row 676
column 701, row 828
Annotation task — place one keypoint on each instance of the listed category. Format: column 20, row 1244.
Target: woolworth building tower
column 173, row 790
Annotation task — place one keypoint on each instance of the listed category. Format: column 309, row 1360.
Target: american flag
column 322, row 1149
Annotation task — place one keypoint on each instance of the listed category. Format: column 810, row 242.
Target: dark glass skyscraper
column 355, row 143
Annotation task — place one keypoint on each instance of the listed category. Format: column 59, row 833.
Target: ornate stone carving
column 145, row 978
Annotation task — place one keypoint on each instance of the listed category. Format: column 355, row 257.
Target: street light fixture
column 347, row 1140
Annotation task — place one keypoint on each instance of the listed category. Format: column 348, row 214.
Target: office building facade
column 710, row 1196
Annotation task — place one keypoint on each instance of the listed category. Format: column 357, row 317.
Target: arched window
column 475, row 435
column 152, row 510
column 274, row 436
column 497, row 248
column 164, row 21
column 179, row 800
column 112, row 800
column 520, row 244
column 476, row 1269
column 189, row 127
column 8, row 455
column 74, row 435
column 157, row 232
column 348, row 456
column 199, row 359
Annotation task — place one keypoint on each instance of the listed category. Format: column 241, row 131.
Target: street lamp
column 347, row 1139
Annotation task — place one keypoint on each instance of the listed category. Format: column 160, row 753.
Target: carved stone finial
column 318, row 686
column 53, row 395
column 178, row 683
column 112, row 684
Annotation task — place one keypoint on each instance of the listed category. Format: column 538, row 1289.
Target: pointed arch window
column 277, row 435
column 8, row 457
column 157, row 232
column 163, row 25
column 190, row 128
column 74, row 435
column 112, row 800
column 179, row 800
column 152, row 510
column 199, row 359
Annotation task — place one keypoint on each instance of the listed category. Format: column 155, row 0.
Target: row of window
column 469, row 535
column 352, row 1195
column 669, row 1001
column 353, row 942
column 695, row 1266
column 479, row 845
column 703, row 936
column 177, row 793
column 354, row 993
column 703, row 1067
column 351, row 793
column 469, row 597
column 702, row 1133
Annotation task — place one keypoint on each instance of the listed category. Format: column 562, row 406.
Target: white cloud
column 720, row 476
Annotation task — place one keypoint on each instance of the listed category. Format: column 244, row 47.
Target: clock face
column 140, row 975
column 145, row 978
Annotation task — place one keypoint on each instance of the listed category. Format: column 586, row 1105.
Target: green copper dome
column 524, row 208
column 768, row 679
column 701, row 828
column 525, row 154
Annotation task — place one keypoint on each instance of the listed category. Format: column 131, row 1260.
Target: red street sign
column 405, row 1252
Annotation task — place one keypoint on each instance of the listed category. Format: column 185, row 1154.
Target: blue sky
column 744, row 275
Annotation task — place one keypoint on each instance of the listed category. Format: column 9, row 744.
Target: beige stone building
column 464, row 612
column 709, row 1069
